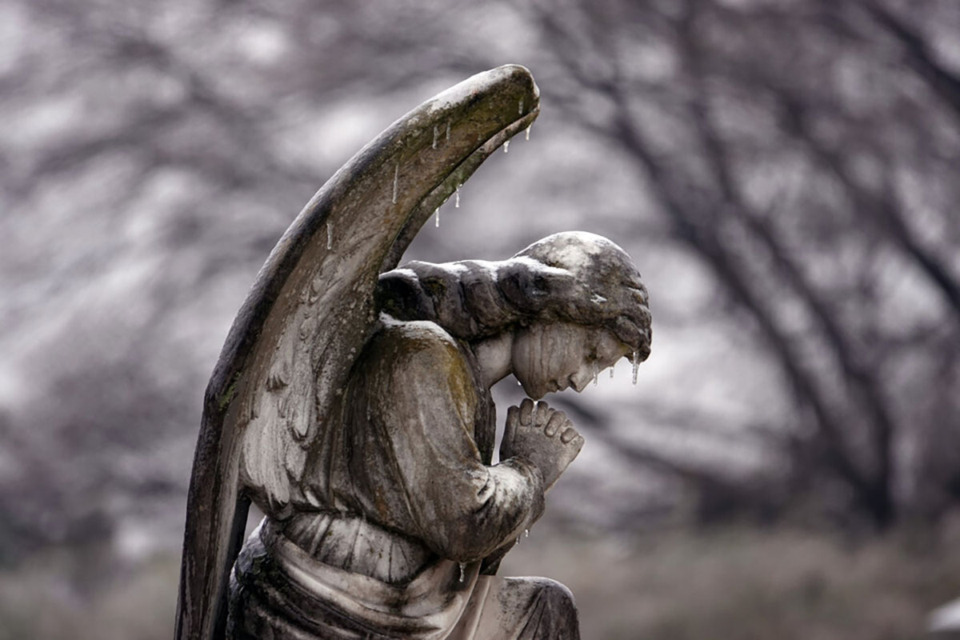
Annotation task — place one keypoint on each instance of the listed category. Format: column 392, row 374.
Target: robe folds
column 409, row 517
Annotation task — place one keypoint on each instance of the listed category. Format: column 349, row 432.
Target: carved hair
column 569, row 277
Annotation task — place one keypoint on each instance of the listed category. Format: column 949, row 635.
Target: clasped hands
column 543, row 436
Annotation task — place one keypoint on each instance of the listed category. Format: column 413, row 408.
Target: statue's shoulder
column 414, row 355
column 415, row 339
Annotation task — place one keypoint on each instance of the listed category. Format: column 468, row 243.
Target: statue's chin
column 534, row 392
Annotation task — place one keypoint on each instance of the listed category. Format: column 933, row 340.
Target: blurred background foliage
column 784, row 172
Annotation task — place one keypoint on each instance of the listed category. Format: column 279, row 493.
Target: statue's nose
column 580, row 379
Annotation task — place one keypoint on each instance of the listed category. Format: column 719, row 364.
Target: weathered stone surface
column 354, row 408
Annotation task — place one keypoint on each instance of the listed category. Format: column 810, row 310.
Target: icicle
column 437, row 214
column 396, row 174
column 329, row 236
column 533, row 415
column 636, row 366
column 518, row 541
column 611, row 372
column 526, row 533
column 448, row 132
column 456, row 203
column 435, row 133
column 506, row 146
column 463, row 574
column 519, row 384
column 520, row 107
column 527, row 132
column 596, row 374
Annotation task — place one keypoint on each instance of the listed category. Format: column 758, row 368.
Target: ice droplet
column 396, row 175
column 448, row 132
column 526, row 533
column 437, row 214
column 462, row 573
column 456, row 203
column 596, row 374
column 636, row 366
column 527, row 132
column 329, row 236
column 435, row 133
column 533, row 414
column 506, row 146
column 520, row 107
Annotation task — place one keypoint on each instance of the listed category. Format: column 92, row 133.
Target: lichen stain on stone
column 436, row 287
column 230, row 393
column 380, row 503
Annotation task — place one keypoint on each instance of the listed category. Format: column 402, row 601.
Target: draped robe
column 410, row 518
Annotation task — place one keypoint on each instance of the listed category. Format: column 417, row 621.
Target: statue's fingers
column 543, row 413
column 510, row 432
column 526, row 411
column 556, row 421
column 569, row 434
column 513, row 419
column 575, row 445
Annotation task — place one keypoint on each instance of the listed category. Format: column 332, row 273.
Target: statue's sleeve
column 422, row 426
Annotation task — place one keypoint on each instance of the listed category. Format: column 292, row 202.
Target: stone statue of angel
column 352, row 404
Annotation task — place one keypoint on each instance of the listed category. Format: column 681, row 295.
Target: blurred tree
column 800, row 154
column 797, row 155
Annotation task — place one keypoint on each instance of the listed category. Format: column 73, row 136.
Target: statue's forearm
column 491, row 563
column 478, row 523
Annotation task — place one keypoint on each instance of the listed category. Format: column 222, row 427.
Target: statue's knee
column 558, row 600
column 558, row 594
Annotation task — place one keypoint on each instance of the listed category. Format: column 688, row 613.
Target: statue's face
column 556, row 356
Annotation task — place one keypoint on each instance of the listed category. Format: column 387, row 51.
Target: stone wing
column 291, row 347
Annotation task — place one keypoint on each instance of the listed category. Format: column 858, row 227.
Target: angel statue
column 351, row 404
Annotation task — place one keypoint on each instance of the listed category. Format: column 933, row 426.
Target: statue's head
column 572, row 288
column 588, row 280
column 594, row 312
